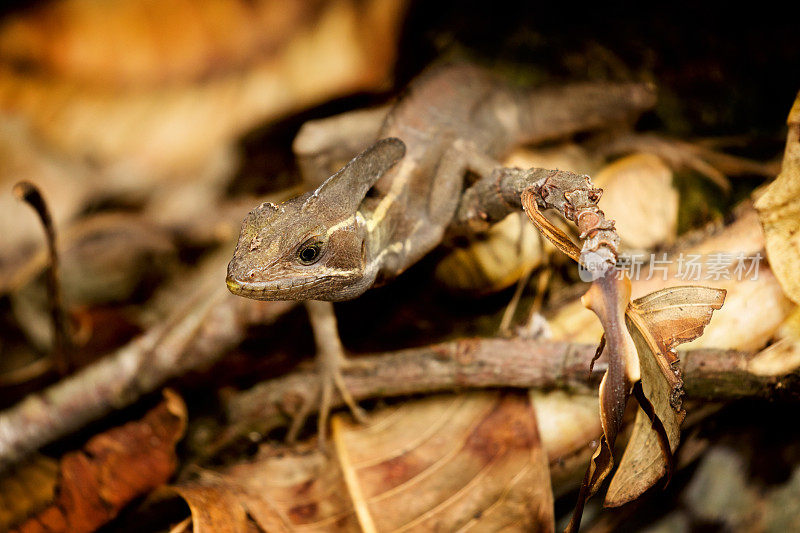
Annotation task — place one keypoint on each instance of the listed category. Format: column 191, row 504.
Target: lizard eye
column 309, row 253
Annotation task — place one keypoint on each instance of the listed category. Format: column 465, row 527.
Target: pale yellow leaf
column 779, row 209
column 638, row 190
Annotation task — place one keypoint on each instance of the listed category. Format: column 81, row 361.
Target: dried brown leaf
column 608, row 298
column 779, row 210
column 478, row 464
column 285, row 490
column 440, row 463
column 215, row 508
column 658, row 322
column 114, row 467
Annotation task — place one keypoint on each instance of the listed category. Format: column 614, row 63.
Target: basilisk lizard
column 393, row 202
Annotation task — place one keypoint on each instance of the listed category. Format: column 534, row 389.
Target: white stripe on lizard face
column 323, row 272
column 340, row 225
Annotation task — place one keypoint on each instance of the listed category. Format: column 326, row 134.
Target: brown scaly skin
column 336, row 242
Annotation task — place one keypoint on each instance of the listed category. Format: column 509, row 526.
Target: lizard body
column 392, row 203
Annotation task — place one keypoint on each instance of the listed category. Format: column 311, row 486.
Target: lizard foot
column 329, row 379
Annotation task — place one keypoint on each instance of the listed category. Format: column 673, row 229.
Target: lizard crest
column 313, row 246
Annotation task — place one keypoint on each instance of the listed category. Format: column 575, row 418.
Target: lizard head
column 313, row 246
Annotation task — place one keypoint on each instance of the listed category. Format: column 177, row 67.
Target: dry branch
column 480, row 363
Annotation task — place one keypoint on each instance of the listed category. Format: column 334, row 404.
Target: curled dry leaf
column 608, row 298
column 658, row 323
column 644, row 364
column 779, row 210
column 114, row 467
column 442, row 463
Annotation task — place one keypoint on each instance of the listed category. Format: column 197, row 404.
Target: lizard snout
column 233, row 285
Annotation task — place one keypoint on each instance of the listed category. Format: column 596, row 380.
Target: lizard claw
column 329, row 379
column 358, row 413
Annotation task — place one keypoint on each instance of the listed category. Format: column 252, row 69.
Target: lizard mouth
column 289, row 289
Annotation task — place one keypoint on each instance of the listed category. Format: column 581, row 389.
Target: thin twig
column 62, row 345
column 511, row 308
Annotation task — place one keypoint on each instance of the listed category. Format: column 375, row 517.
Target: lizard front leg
column 330, row 360
column 320, row 147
